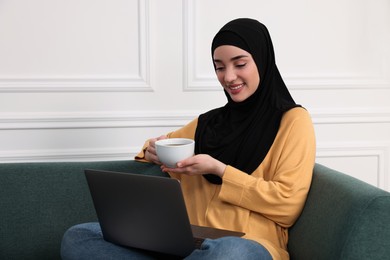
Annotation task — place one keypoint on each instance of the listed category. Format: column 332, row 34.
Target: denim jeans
column 85, row 241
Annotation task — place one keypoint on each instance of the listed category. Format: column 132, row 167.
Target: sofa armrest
column 343, row 218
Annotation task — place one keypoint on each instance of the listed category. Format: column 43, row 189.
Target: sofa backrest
column 39, row 201
column 343, row 218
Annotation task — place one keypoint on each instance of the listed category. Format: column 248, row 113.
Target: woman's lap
column 85, row 241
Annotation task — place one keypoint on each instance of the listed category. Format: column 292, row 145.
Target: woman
column 254, row 157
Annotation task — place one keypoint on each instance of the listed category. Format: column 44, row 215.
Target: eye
column 219, row 68
column 240, row 65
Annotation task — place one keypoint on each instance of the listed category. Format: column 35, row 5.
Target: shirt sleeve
column 282, row 196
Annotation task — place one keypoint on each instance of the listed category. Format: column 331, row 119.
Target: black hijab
column 240, row 134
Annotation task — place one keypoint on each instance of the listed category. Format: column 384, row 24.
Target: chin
column 237, row 99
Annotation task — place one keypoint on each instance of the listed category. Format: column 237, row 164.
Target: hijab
column 240, row 134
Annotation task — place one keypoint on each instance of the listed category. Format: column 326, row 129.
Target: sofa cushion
column 39, row 201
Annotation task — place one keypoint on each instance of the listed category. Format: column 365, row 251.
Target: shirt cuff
column 233, row 183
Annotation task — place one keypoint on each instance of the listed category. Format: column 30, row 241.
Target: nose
column 230, row 75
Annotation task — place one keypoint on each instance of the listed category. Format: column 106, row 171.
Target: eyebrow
column 233, row 58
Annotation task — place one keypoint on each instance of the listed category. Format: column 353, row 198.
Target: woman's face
column 236, row 71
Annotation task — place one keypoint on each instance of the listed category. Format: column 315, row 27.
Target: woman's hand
column 150, row 151
column 198, row 165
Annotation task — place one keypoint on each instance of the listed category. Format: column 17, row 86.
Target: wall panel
column 91, row 80
column 62, row 46
column 313, row 51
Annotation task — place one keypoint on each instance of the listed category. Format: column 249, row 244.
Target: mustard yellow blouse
column 267, row 202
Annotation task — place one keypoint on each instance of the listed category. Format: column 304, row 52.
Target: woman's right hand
column 150, row 152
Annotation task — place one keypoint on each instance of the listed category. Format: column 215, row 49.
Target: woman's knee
column 235, row 248
column 83, row 231
column 77, row 236
column 85, row 241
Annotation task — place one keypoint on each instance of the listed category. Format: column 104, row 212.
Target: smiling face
column 236, row 71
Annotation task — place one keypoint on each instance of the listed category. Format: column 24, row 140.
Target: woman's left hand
column 198, row 165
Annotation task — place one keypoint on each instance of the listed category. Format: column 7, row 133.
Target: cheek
column 255, row 78
column 220, row 78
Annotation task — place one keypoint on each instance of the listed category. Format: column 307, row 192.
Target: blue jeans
column 85, row 241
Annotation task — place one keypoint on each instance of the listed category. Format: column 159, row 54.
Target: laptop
column 146, row 212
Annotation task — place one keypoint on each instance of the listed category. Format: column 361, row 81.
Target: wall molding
column 350, row 115
column 124, row 119
column 81, row 120
column 195, row 82
column 137, row 83
column 380, row 151
column 63, row 155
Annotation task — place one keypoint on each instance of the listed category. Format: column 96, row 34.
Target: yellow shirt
column 267, row 202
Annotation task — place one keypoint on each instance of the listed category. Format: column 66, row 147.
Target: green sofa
column 343, row 218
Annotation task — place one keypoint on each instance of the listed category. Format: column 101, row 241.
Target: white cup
column 172, row 150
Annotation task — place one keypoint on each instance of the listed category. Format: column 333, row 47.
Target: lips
column 235, row 88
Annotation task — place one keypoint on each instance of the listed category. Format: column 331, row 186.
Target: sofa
column 343, row 218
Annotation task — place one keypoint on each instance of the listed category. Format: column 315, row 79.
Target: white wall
column 92, row 79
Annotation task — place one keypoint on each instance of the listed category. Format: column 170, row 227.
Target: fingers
column 191, row 161
column 151, row 157
column 150, row 152
column 152, row 143
column 162, row 137
column 197, row 165
column 188, row 166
